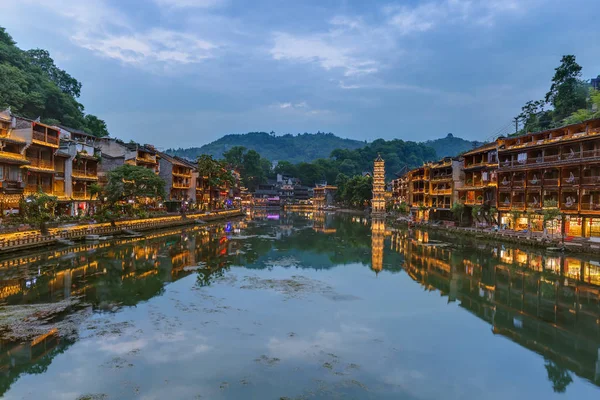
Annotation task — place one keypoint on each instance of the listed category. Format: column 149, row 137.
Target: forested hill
column 451, row 146
column 293, row 148
column 33, row 86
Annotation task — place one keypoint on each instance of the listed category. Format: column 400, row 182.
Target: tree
column 286, row 168
column 533, row 116
column 254, row 173
column 567, row 93
column 132, row 183
column 66, row 83
column 39, row 209
column 216, row 174
column 458, row 210
column 95, row 126
column 234, row 157
column 583, row 114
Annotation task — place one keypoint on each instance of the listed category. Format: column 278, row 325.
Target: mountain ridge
column 307, row 147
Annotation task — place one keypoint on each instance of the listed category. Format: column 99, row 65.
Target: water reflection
column 106, row 275
column 547, row 303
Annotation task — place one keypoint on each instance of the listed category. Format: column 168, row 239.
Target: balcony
column 570, row 181
column 550, row 182
column 518, row 183
column 568, row 205
column 504, row 206
column 12, row 185
column 590, row 207
column 80, row 195
column 441, row 192
column 41, row 163
column 590, row 180
column 33, row 188
column 146, row 159
column 180, row 185
column 474, row 202
column 9, row 157
column 183, row 174
column 517, row 205
column 567, row 158
column 83, row 174
column 44, row 138
column 534, row 183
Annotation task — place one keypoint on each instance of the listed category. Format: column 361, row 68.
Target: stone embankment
column 31, row 239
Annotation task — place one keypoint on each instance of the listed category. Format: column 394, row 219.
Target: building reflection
column 377, row 239
column 105, row 274
column 549, row 304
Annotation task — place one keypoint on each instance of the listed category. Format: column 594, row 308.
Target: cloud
column 427, row 16
column 108, row 32
column 300, row 108
column 322, row 49
column 190, row 3
column 156, row 45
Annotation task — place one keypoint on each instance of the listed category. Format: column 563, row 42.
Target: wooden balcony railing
column 41, row 163
column 534, row 182
column 33, row 188
column 42, row 137
column 590, row 180
column 518, row 183
column 590, row 207
column 568, row 205
column 474, row 202
column 550, row 182
column 10, row 184
column 553, row 158
column 517, row 205
column 441, row 178
column 85, row 173
column 181, row 185
column 570, row 181
column 80, row 195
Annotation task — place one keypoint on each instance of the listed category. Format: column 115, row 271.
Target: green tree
column 95, row 126
column 39, row 209
column 254, row 174
column 234, row 157
column 65, row 82
column 286, row 168
column 132, row 183
column 567, row 93
column 592, row 111
column 458, row 210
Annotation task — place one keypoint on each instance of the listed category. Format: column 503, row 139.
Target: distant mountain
column 451, row 146
column 307, row 147
column 293, row 148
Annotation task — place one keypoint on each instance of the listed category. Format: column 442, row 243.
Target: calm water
column 305, row 307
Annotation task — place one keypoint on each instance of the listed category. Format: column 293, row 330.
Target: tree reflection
column 559, row 376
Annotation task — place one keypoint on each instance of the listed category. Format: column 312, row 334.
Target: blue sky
column 186, row 72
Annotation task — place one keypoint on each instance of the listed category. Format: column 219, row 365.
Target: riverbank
column 32, row 239
column 534, row 239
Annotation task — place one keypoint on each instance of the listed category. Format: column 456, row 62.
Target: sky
column 181, row 73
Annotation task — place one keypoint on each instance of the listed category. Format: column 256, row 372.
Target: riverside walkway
column 23, row 240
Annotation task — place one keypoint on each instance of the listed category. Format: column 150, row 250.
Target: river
column 300, row 306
